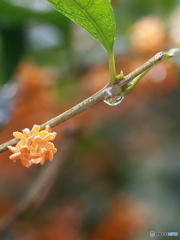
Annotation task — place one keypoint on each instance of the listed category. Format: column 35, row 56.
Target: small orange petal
column 48, row 128
column 26, row 163
column 34, row 155
column 42, row 158
column 26, row 132
column 43, row 134
column 35, row 129
column 49, row 137
column 25, row 153
column 48, row 145
column 28, row 140
column 12, row 149
column 37, row 148
column 15, row 156
column 37, row 139
column 54, row 150
column 50, row 156
column 24, row 149
column 19, row 144
column 18, row 135
column 36, row 161
column 42, row 161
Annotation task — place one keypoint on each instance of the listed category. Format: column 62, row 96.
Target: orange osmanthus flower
column 34, row 146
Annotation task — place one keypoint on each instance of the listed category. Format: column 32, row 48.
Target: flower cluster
column 34, row 146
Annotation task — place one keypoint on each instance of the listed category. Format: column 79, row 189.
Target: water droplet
column 113, row 101
column 14, row 160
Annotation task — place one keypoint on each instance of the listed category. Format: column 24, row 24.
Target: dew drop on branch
column 113, row 101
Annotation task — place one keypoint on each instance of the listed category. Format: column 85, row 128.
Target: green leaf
column 96, row 16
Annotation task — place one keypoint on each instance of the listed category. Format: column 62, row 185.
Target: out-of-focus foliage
column 122, row 177
column 17, row 25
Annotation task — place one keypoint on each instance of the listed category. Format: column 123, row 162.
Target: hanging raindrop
column 14, row 160
column 113, row 101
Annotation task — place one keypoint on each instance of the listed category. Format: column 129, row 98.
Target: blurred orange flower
column 34, row 146
column 148, row 35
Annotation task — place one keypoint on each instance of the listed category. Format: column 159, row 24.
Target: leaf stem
column 112, row 68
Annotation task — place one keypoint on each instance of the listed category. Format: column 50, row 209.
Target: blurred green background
column 122, row 177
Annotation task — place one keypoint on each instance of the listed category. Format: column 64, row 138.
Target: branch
column 111, row 90
column 159, row 57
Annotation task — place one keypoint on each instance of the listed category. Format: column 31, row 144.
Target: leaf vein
column 94, row 24
column 88, row 5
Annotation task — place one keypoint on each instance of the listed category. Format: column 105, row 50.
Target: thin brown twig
column 111, row 90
